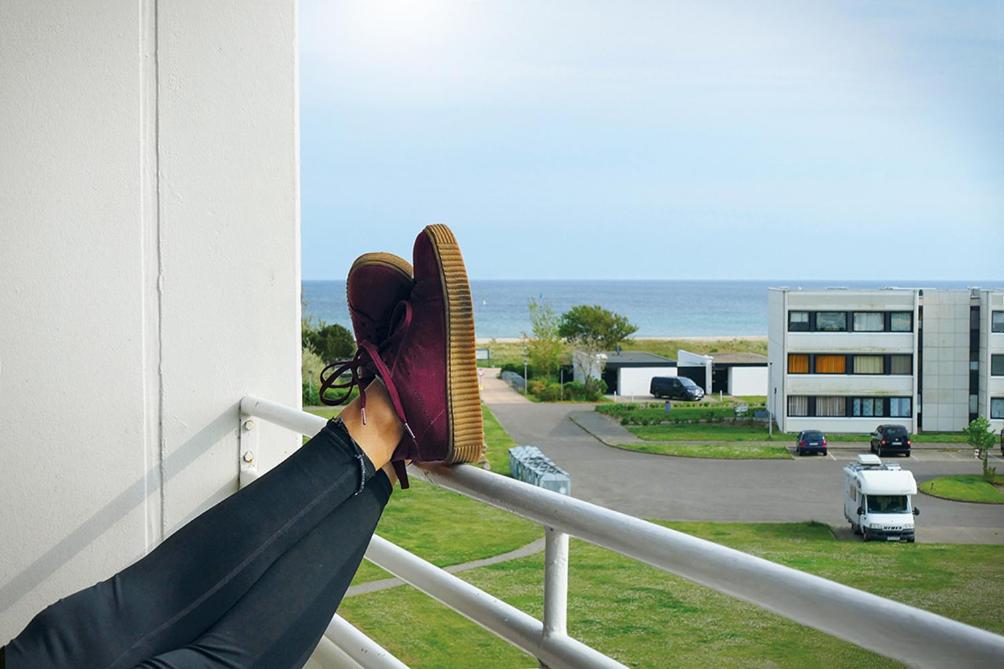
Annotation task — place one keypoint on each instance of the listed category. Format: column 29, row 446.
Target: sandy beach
column 515, row 340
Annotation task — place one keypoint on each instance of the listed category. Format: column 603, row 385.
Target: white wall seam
column 152, row 279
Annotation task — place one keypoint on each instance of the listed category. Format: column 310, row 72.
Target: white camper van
column 877, row 500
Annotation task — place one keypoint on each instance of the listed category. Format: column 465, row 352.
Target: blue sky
column 665, row 140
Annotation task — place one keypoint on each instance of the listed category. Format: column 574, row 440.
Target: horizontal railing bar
column 305, row 423
column 905, row 633
column 364, row 650
column 502, row 619
column 914, row 636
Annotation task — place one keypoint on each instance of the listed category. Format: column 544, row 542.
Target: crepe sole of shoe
column 467, row 435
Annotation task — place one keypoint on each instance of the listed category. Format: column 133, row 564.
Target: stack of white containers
column 529, row 465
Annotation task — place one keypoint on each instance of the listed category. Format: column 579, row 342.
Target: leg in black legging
column 172, row 596
column 278, row 623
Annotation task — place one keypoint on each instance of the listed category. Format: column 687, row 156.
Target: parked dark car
column 675, row 388
column 810, row 441
column 891, row 439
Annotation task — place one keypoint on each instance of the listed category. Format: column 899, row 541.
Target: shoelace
column 368, row 351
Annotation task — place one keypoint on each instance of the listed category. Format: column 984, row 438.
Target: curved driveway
column 672, row 488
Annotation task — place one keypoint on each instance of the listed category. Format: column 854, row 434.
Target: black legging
column 252, row 582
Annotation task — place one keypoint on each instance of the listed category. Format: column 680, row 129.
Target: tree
column 979, row 435
column 593, row 328
column 544, row 347
column 331, row 342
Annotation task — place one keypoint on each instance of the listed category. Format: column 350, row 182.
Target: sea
column 658, row 308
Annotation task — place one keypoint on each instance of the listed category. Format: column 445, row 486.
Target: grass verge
column 720, row 450
column 745, row 432
column 498, row 442
column 446, row 528
column 645, row 617
column 727, row 432
column 965, row 488
column 514, row 352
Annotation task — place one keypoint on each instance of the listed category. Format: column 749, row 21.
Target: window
column 867, row 406
column 997, row 365
column 869, row 364
column 869, row 321
column 887, row 504
column 899, row 407
column 901, row 321
column 901, row 364
column 798, row 321
column 974, row 404
column 798, row 363
column 798, row 405
column 831, row 321
column 997, row 321
column 997, row 407
column 830, row 406
column 832, row 364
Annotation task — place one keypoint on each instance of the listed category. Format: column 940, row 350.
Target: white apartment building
column 848, row 360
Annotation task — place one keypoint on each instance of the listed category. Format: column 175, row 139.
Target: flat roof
column 738, row 359
column 881, row 289
column 637, row 359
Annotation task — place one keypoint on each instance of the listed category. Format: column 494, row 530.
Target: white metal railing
column 889, row 628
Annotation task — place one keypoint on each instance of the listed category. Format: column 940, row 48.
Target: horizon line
column 906, row 283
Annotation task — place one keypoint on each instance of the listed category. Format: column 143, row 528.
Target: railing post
column 248, row 450
column 555, row 583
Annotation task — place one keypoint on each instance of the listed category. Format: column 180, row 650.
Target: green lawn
column 444, row 527
column 498, row 443
column 711, row 432
column 965, row 488
column 645, row 617
column 714, row 450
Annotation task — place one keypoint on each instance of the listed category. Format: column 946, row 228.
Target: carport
column 630, row 372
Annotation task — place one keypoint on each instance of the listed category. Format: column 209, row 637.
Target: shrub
column 583, row 392
column 310, row 396
column 544, row 390
column 330, row 342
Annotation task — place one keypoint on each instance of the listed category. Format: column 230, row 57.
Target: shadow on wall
column 77, row 540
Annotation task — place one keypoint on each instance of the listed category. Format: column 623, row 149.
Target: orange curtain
column 798, row 363
column 831, row 364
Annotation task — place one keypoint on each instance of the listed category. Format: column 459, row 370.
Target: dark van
column 891, row 439
column 675, row 388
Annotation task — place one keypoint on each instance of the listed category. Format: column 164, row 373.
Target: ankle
column 377, row 430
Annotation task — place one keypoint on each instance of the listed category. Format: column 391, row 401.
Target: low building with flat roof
column 630, row 373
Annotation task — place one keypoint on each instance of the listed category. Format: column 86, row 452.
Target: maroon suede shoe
column 376, row 283
column 427, row 362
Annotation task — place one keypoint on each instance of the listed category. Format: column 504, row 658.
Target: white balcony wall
column 850, row 342
column 945, row 391
column 149, row 273
column 776, row 351
column 862, row 426
column 849, row 300
column 850, row 384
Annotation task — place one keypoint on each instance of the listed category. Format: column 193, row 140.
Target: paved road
column 655, row 486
